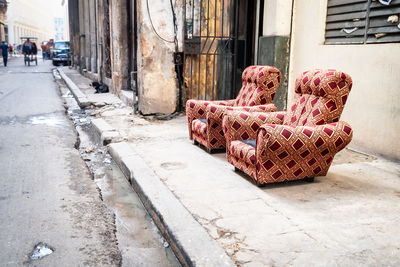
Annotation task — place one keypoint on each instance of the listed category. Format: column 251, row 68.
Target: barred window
column 362, row 21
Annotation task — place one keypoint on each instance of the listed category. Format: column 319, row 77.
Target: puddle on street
column 56, row 119
column 41, row 250
column 50, row 120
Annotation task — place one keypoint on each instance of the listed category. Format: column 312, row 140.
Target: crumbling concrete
column 157, row 81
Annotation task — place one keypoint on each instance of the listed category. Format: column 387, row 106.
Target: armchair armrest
column 242, row 125
column 289, row 153
column 215, row 115
column 196, row 109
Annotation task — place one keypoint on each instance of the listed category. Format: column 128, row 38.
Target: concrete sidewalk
column 351, row 217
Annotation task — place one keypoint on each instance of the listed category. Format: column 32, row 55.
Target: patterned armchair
column 295, row 144
column 259, row 84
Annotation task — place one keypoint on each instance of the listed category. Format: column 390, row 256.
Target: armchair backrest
column 320, row 96
column 259, row 84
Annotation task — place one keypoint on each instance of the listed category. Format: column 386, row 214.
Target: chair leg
column 215, row 150
column 195, row 143
column 309, row 179
column 260, row 184
column 237, row 170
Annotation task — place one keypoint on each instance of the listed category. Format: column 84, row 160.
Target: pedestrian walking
column 10, row 50
column 4, row 52
column 44, row 53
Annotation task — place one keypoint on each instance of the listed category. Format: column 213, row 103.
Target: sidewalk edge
column 76, row 92
column 188, row 239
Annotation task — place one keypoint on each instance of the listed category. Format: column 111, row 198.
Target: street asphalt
column 47, row 194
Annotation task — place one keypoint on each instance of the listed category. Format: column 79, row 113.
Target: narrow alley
column 48, row 195
column 199, row 133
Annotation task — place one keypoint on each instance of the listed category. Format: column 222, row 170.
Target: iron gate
column 210, row 49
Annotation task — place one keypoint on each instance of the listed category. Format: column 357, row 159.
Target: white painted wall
column 373, row 108
column 277, row 17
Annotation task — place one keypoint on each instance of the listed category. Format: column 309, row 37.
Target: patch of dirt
column 349, row 156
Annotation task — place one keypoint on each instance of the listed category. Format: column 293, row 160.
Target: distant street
column 46, row 192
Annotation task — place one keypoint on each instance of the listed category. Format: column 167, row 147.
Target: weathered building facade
column 170, row 51
column 3, row 17
column 114, row 42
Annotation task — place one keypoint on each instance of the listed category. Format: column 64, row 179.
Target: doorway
column 219, row 44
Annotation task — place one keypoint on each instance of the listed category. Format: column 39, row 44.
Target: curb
column 80, row 97
column 188, row 239
column 105, row 131
column 190, row 242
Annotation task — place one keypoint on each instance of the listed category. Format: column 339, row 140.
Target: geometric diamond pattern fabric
column 320, row 96
column 259, row 84
column 244, row 153
column 305, row 139
column 309, row 149
column 239, row 126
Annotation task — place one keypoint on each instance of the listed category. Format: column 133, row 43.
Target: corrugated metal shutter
column 362, row 21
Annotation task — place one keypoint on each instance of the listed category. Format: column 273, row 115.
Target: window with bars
column 362, row 21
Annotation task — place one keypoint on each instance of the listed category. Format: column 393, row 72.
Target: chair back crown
column 320, row 96
column 259, row 84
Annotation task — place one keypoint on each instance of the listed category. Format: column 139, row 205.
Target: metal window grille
column 210, row 48
column 362, row 21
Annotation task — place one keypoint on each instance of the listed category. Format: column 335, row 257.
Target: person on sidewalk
column 10, row 50
column 4, row 52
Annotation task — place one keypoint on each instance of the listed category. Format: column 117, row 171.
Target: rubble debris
column 89, row 150
column 379, row 35
column 41, row 250
column 348, row 31
column 393, row 19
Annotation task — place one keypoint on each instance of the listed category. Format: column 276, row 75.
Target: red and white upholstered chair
column 259, row 84
column 295, row 144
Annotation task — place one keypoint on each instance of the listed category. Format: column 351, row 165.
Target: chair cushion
column 251, row 142
column 243, row 151
column 202, row 120
column 200, row 128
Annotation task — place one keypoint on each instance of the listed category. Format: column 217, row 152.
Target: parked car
column 61, row 53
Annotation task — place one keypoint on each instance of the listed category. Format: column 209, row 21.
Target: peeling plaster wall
column 3, row 18
column 373, row 105
column 119, row 45
column 157, row 82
